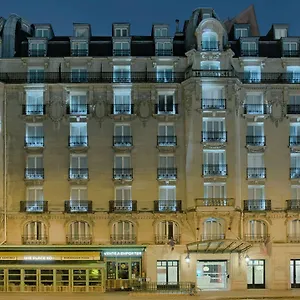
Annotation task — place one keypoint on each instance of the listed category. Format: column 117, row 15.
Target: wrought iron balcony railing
column 122, row 109
column 210, row 46
column 257, row 205
column 79, row 239
column 256, row 238
column 294, row 140
column 79, row 173
column 78, row 206
column 167, row 173
column 293, row 238
column 34, row 239
column 76, row 141
column 214, row 202
column 168, row 206
column 123, row 239
column 166, row 140
column 256, row 140
column 214, row 170
column 123, row 173
column 294, row 173
column 256, row 109
column 256, row 173
column 214, row 136
column 164, row 52
column 79, row 52
column 211, row 73
column 121, row 52
column 213, row 104
column 293, row 204
column 33, row 109
column 268, row 78
column 119, row 206
column 293, row 109
column 34, row 173
column 38, row 206
column 162, row 239
column 34, row 141
column 290, row 53
column 78, row 109
column 37, row 52
column 246, row 52
column 212, row 237
column 168, row 109
column 122, row 141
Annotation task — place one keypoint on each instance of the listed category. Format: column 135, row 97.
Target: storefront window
column 256, row 274
column 111, row 270
column 167, row 271
column 135, row 270
column 123, row 270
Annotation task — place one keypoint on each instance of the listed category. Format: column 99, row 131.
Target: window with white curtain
column 252, row 73
column 79, row 230
column 213, row 229
column 34, row 231
column 123, row 232
column 294, row 229
column 78, row 104
column 166, row 231
column 34, row 102
column 122, row 74
column 257, row 229
column 214, row 190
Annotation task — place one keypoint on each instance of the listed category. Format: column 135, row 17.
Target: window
column 293, row 106
column 295, row 273
column 122, row 74
column 249, row 49
column 256, row 274
column 212, row 97
column 167, row 231
column 35, row 232
column 166, row 104
column 166, row 135
column 123, row 198
column 34, row 135
column 79, row 231
column 122, row 167
column 34, row 168
column 213, row 229
column 256, row 192
column 123, row 232
column 42, row 33
column 78, row 134
column 294, row 229
column 121, row 48
column 122, row 102
column 78, row 197
column 35, row 198
column 167, row 198
column 214, row 190
column 257, row 230
column 241, row 32
column 78, row 193
column 164, row 49
column 37, row 49
column 79, row 75
column 36, row 75
column 295, row 192
column 293, row 74
column 256, row 166
column 81, row 32
column 78, row 166
column 122, row 135
column 78, row 104
column 255, row 134
column 166, row 161
column 210, row 65
column 121, row 32
column 214, row 157
column 167, row 272
column 122, row 162
column 295, row 165
column 209, row 41
column 213, row 130
column 280, row 33
column 252, row 74
column 164, row 74
column 290, row 49
column 206, row 16
column 34, row 103
column 79, row 48
column 161, row 32
column 254, row 104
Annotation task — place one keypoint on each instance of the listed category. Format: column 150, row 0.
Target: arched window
column 167, row 231
column 209, row 41
column 294, row 231
column 257, row 231
column 35, row 233
column 213, row 229
column 79, row 233
column 123, row 232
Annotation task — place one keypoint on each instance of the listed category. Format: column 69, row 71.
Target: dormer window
column 161, row 32
column 210, row 41
column 249, row 48
column 81, row 32
column 79, row 48
column 121, row 32
column 280, row 33
column 121, row 48
column 37, row 49
column 206, row 16
column 290, row 49
column 164, row 49
column 42, row 33
column 241, row 33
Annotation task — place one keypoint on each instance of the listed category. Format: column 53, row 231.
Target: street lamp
column 187, row 259
column 247, row 258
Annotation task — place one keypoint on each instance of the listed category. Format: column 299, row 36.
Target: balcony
column 216, row 202
column 121, row 52
column 256, row 238
column 290, row 53
column 293, row 238
column 166, row 109
column 293, row 204
column 78, row 141
column 166, row 173
column 33, row 239
column 32, row 142
column 78, row 206
column 164, row 52
column 269, row 78
column 249, row 53
column 210, row 46
column 34, row 173
column 122, row 77
column 257, row 205
column 255, row 141
column 214, row 136
column 163, row 239
column 166, row 142
column 79, row 239
column 123, row 174
column 213, row 104
column 212, row 237
column 79, row 52
column 122, row 109
column 122, row 142
column 211, row 73
column 293, row 109
column 37, row 52
column 78, row 173
column 34, row 206
column 294, row 140
column 256, row 109
column 214, row 170
column 78, row 109
column 167, row 206
column 33, row 110
column 123, row 239
column 256, row 173
column 79, row 77
column 122, row 206
column 294, row 173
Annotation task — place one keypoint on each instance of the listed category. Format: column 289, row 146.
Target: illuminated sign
column 123, row 253
column 38, row 258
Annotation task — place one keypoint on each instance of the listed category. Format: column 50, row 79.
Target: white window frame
column 45, row 33
column 257, row 228
column 165, row 73
column 295, row 192
column 123, row 157
column 36, row 74
column 79, row 74
column 79, row 230
column 253, row 73
column 218, row 190
column 163, row 231
column 218, row 157
column 35, row 231
column 280, row 33
column 161, row 32
column 166, row 95
column 121, row 32
column 210, row 65
column 243, row 32
column 213, row 228
column 294, row 73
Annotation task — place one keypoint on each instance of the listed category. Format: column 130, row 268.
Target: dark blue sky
column 141, row 13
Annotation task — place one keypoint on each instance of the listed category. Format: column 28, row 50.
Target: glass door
column 256, row 274
column 168, row 273
column 295, row 273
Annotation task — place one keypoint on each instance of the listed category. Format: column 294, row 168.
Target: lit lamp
column 187, row 259
column 247, row 258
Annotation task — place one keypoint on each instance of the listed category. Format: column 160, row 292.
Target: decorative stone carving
column 239, row 101
column 144, row 105
column 56, row 107
column 101, row 107
column 277, row 105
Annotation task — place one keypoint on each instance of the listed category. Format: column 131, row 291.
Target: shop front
column 123, row 267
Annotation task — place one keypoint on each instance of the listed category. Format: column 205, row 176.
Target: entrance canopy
column 219, row 246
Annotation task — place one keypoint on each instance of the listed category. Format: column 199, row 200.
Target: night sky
column 142, row 13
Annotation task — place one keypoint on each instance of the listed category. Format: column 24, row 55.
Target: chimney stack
column 177, row 25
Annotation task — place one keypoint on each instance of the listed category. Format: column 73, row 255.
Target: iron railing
column 293, row 109
column 256, row 238
column 293, row 204
column 294, row 140
column 256, row 109
column 164, row 288
column 122, row 141
column 293, row 238
column 122, row 206
column 164, row 52
column 162, row 239
column 33, row 109
column 245, row 52
column 78, row 173
column 78, row 109
column 79, row 239
column 38, row 206
column 78, row 206
column 168, row 206
column 211, row 73
column 290, row 53
column 214, row 202
column 123, row 173
column 122, row 109
column 123, row 239
column 34, row 141
column 255, row 140
column 269, row 78
column 166, row 173
column 37, row 52
column 210, row 46
column 257, row 205
column 121, row 52
column 34, row 173
column 76, row 141
column 213, row 104
column 212, row 237
column 294, row 173
column 256, row 173
column 214, row 170
column 34, row 239
column 166, row 140
column 167, row 109
column 79, row 52
column 214, row 136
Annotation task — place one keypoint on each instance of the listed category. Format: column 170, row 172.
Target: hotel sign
column 122, row 253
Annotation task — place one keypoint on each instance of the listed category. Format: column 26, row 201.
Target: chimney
column 177, row 25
